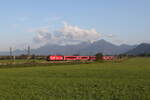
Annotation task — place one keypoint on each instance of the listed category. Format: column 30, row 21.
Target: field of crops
column 126, row 80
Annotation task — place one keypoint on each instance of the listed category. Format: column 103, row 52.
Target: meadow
column 124, row 80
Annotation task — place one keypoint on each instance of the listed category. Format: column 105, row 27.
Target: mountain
column 124, row 48
column 99, row 46
column 84, row 48
column 143, row 48
column 105, row 47
column 57, row 49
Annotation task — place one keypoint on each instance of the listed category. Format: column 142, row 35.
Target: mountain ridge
column 143, row 48
column 84, row 48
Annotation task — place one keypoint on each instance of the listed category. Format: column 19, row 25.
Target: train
column 77, row 58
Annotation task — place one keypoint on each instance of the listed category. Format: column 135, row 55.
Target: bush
column 99, row 57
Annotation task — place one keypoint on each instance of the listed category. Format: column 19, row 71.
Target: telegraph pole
column 10, row 52
column 13, row 58
column 29, row 50
column 25, row 50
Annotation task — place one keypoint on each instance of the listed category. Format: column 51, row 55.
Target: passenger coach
column 76, row 58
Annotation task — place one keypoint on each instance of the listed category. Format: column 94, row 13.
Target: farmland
column 124, row 80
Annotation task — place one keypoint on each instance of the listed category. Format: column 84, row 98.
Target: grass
column 126, row 80
column 18, row 61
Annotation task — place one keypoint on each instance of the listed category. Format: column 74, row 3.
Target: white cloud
column 109, row 35
column 43, row 34
column 68, row 34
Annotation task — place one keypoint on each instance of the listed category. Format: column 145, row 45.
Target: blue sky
column 118, row 21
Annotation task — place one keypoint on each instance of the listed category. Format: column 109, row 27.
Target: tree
column 99, row 57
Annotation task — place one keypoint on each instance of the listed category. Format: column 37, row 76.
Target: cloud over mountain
column 68, row 34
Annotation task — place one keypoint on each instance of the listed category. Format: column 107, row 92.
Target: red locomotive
column 76, row 58
column 55, row 58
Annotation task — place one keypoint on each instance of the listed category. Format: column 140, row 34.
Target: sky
column 38, row 22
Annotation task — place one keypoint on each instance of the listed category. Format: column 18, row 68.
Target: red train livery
column 108, row 57
column 75, row 58
column 55, row 58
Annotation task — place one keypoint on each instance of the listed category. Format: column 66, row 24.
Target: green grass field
column 18, row 61
column 127, row 80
